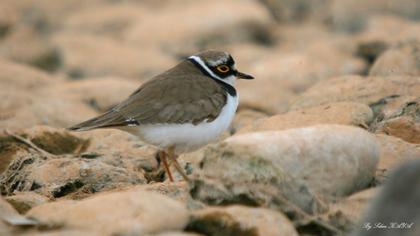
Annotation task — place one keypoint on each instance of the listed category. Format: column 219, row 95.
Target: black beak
column 241, row 75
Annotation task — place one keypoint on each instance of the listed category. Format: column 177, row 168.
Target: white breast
column 187, row 137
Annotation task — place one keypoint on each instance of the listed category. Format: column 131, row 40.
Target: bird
column 179, row 110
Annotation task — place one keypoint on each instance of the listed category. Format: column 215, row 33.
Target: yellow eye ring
column 223, row 68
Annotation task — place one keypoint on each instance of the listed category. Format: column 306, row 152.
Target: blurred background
column 348, row 62
column 111, row 46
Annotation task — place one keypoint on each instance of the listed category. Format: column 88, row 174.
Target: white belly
column 187, row 137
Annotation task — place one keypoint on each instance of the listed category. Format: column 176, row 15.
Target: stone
column 352, row 16
column 10, row 216
column 393, row 152
column 389, row 30
column 66, row 169
column 109, row 20
column 16, row 76
column 402, row 121
column 39, row 53
column 344, row 113
column 178, row 190
column 45, row 110
column 251, row 168
column 297, row 11
column 347, row 212
column 125, row 212
column 254, row 97
column 99, row 93
column 24, row 201
column 240, row 220
column 100, row 54
column 401, row 213
column 244, row 118
column 403, row 59
column 367, row 90
column 195, row 29
column 176, row 234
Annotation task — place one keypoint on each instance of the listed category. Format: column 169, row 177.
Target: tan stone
column 347, row 212
column 126, row 212
column 240, row 220
column 19, row 77
column 24, row 201
column 393, row 152
column 244, row 118
column 39, row 52
column 56, row 111
column 365, row 90
column 108, row 57
column 10, row 216
column 400, row 119
column 353, row 15
column 402, row 59
column 345, row 113
column 100, row 93
column 193, row 28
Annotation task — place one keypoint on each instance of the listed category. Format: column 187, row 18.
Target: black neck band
column 229, row 88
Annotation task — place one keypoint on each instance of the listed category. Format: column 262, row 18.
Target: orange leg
column 172, row 156
column 162, row 156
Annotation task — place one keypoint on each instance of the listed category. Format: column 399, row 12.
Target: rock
column 254, row 97
column 24, row 201
column 10, row 216
column 367, row 90
column 178, row 191
column 125, row 212
column 109, row 20
column 370, row 50
column 345, row 113
column 402, row 59
column 401, row 213
column 402, row 121
column 240, row 220
column 296, row 11
column 389, row 30
column 346, row 213
column 100, row 54
column 17, row 76
column 251, row 168
column 45, row 110
column 244, row 118
column 283, row 73
column 100, row 93
column 62, row 232
column 195, row 27
column 121, row 149
column 39, row 53
column 176, row 234
column 352, row 16
column 67, row 170
column 393, row 152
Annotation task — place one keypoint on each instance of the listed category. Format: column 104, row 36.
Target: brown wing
column 174, row 99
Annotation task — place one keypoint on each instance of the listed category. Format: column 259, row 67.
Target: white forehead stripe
column 204, row 66
column 219, row 61
column 229, row 80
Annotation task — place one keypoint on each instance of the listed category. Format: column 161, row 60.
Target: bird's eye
column 223, row 68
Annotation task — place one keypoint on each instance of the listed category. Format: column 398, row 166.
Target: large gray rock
column 296, row 164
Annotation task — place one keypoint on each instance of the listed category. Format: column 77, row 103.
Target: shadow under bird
column 180, row 110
